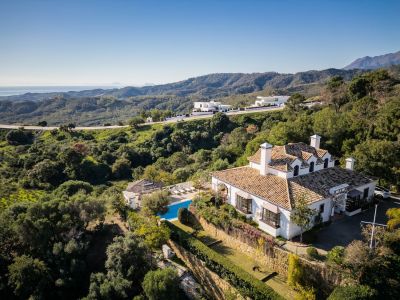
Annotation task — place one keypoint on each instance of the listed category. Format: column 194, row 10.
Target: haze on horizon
column 135, row 42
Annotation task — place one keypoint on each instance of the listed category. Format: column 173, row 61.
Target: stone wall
column 317, row 273
column 215, row 286
column 278, row 261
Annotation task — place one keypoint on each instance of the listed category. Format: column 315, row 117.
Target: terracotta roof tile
column 283, row 156
column 286, row 192
column 269, row 187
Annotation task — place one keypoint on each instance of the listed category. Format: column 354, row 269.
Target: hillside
column 375, row 62
column 98, row 106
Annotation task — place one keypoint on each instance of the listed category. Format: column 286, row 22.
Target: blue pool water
column 172, row 212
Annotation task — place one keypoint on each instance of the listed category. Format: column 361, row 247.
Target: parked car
column 382, row 192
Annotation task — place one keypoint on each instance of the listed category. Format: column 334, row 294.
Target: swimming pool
column 172, row 212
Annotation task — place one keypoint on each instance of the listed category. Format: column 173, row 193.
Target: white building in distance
column 270, row 101
column 211, row 106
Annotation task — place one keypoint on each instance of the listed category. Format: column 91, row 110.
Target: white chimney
column 265, row 158
column 315, row 140
column 350, row 163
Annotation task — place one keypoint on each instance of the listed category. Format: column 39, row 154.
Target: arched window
column 311, row 167
column 296, row 171
column 326, row 161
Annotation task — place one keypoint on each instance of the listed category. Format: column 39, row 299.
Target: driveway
column 343, row 231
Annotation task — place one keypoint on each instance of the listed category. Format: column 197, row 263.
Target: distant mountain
column 375, row 62
column 99, row 106
column 202, row 87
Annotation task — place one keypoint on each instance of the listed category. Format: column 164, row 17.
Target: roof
column 143, row 186
column 285, row 193
column 283, row 156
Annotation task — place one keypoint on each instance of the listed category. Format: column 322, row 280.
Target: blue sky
column 90, row 42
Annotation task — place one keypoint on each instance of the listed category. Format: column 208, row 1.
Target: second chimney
column 266, row 150
column 315, row 140
column 350, row 163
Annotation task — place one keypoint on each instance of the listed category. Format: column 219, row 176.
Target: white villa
column 268, row 188
column 136, row 189
column 270, row 100
column 211, row 106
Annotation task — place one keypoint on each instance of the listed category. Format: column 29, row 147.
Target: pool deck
column 183, row 197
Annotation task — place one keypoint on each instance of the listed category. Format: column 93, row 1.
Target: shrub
column 335, row 255
column 19, row 137
column 155, row 202
column 245, row 283
column 305, row 293
column 353, row 292
column 312, row 252
column 294, row 270
column 161, row 284
column 71, row 187
column 183, row 215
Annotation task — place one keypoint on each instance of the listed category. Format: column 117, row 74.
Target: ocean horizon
column 20, row 90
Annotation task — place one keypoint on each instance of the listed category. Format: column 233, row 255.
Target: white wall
column 257, row 205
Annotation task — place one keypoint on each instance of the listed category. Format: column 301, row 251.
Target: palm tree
column 394, row 218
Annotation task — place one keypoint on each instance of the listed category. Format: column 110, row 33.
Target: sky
column 99, row 42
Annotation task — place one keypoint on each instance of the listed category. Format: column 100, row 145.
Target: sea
column 19, row 90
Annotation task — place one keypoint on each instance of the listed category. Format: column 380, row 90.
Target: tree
column 183, row 215
column 336, row 92
column 126, row 266
column 136, row 121
column 295, row 104
column 394, row 218
column 358, row 88
column 29, row 277
column 71, row 187
column 387, row 124
column 379, row 158
column 42, row 123
column 47, row 172
column 155, row 202
column 353, row 292
column 357, row 256
column 121, row 169
column 302, row 215
column 219, row 122
column 127, row 257
column 19, row 137
column 161, row 284
column 148, row 229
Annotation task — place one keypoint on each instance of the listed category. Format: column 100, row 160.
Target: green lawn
column 243, row 261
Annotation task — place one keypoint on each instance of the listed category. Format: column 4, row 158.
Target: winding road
column 231, row 113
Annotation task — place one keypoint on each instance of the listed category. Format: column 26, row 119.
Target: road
column 232, row 113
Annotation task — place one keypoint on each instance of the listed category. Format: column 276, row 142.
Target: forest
column 60, row 190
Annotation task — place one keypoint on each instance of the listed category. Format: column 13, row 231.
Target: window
column 311, row 167
column 243, row 204
column 296, row 171
column 326, row 162
column 270, row 218
column 366, row 192
column 321, row 208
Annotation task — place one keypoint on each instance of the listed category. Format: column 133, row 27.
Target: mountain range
column 98, row 106
column 375, row 62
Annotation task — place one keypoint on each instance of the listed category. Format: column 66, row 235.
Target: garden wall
column 215, row 286
column 318, row 274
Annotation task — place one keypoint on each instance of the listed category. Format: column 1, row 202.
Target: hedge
column 246, row 284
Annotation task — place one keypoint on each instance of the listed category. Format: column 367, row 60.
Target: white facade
column 211, row 106
column 271, row 100
column 337, row 201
